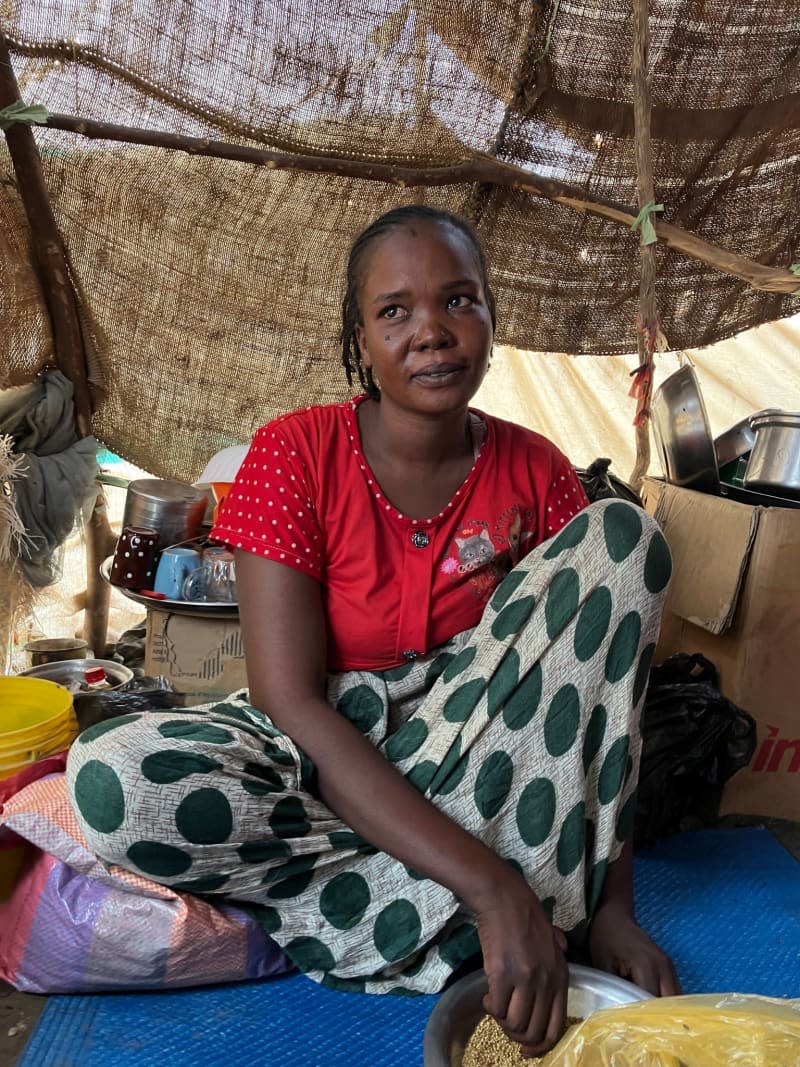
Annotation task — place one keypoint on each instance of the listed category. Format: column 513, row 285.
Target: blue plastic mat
column 724, row 903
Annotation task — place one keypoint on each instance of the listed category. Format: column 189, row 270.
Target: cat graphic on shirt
column 476, row 555
column 474, row 551
column 483, row 556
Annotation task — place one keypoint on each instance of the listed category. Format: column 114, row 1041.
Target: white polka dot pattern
column 255, row 517
column 306, row 497
column 566, row 498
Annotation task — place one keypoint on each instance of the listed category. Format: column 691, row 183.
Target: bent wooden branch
column 475, row 168
column 68, row 345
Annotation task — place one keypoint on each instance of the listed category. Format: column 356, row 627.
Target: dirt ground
column 20, row 1011
column 18, row 1015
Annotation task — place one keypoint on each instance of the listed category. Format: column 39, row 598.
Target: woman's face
column 426, row 331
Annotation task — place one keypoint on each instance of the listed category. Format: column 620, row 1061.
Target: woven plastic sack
column 694, row 1031
column 74, row 925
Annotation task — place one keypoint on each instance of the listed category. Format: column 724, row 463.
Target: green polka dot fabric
column 523, row 730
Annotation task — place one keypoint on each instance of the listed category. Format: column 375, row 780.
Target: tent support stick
column 48, row 248
column 476, row 168
column 68, row 347
column 647, row 326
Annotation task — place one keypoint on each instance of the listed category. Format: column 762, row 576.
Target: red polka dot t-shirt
column 393, row 587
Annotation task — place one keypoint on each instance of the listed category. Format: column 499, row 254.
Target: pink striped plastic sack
column 74, row 925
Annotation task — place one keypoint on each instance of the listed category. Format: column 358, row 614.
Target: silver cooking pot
column 774, row 463
column 174, row 509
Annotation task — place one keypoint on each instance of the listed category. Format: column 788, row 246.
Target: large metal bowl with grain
column 459, row 1010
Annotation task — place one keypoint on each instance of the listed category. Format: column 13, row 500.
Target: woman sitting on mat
column 447, row 652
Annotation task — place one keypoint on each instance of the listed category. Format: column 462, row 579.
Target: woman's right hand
column 524, row 961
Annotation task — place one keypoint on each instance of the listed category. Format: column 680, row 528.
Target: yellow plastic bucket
column 36, row 719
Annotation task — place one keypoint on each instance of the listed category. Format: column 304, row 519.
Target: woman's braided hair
column 351, row 312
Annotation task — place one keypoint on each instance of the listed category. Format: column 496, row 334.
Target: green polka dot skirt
column 523, row 730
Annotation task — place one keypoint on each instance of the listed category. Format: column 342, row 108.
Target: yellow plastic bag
column 716, row 1030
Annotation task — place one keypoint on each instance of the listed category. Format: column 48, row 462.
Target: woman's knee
column 633, row 541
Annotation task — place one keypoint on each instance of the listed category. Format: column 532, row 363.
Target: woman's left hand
column 620, row 946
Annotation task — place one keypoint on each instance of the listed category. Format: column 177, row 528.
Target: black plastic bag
column 693, row 740
column 599, row 484
column 140, row 694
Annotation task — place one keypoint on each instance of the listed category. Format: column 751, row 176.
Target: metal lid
column 164, row 489
column 774, row 417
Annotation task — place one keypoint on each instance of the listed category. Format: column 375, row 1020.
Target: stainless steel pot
column 174, row 509
column 774, row 463
column 740, row 438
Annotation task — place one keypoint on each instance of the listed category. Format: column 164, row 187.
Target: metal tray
column 203, row 608
column 755, row 498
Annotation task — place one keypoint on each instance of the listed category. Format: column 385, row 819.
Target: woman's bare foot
column 618, row 944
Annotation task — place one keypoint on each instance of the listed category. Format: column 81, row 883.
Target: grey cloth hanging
column 58, row 478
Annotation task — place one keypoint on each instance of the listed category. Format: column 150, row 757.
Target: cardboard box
column 202, row 656
column 735, row 597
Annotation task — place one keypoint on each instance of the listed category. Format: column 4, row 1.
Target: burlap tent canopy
column 208, row 288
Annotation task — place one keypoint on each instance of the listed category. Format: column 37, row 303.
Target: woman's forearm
column 286, row 671
column 375, row 800
column 617, row 891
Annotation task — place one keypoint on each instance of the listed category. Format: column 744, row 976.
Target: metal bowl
column 774, row 463
column 682, row 433
column 737, row 442
column 52, row 649
column 459, row 1010
column 71, row 673
column 734, row 443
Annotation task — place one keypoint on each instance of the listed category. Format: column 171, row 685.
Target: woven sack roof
column 210, row 289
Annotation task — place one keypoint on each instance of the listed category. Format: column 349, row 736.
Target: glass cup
column 214, row 581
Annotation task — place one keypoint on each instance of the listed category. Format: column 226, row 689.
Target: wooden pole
column 476, row 168
column 100, row 543
column 648, row 325
column 68, row 347
column 48, row 250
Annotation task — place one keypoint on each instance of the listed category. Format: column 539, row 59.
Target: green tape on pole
column 644, row 223
column 19, row 111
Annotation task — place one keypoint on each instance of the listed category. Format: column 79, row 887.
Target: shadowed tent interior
column 208, row 288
